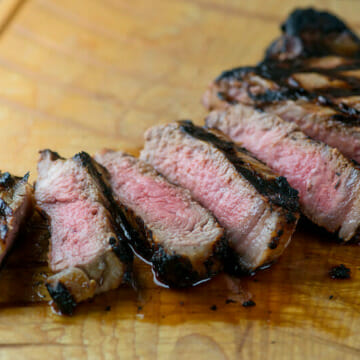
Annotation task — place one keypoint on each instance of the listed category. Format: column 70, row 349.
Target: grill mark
column 276, row 189
column 281, row 74
column 314, row 33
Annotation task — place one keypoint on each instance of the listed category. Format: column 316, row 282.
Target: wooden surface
column 82, row 75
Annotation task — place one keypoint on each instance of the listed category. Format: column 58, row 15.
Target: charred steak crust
column 66, row 285
column 170, row 268
column 124, row 230
column 309, row 32
column 275, row 188
column 281, row 73
column 310, row 76
column 62, row 297
column 16, row 206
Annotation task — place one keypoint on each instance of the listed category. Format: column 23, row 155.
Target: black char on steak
column 181, row 239
column 16, row 206
column 88, row 252
column 258, row 209
column 328, row 183
column 310, row 76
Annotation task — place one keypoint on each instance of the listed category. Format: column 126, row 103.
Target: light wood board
column 83, row 75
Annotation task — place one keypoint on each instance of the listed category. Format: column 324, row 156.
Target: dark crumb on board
column 273, row 342
column 230, row 301
column 181, row 303
column 139, row 308
column 340, row 272
column 248, row 303
column 331, row 297
column 213, row 307
column 108, row 308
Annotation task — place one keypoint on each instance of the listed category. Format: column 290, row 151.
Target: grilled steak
column 316, row 85
column 88, row 246
column 328, row 183
column 182, row 239
column 16, row 205
column 258, row 210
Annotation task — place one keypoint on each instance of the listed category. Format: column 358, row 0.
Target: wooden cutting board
column 83, row 75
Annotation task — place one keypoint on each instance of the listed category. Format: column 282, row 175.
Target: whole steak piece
column 181, row 239
column 258, row 209
column 88, row 253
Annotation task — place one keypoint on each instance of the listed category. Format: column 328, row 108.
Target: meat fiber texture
column 88, row 251
column 258, row 228
column 328, row 183
column 182, row 239
column 16, row 206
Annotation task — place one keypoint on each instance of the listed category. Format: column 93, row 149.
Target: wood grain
column 87, row 74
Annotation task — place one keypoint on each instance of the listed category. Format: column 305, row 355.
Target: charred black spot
column 274, row 243
column 3, row 231
column 62, row 298
column 248, row 303
column 121, row 250
column 301, row 20
column 173, row 270
column 213, row 307
column 6, row 180
column 230, row 301
column 5, row 209
column 340, row 272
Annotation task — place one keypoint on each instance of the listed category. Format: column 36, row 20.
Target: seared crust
column 16, row 206
column 170, row 268
column 274, row 188
column 308, row 32
column 111, row 268
column 310, row 75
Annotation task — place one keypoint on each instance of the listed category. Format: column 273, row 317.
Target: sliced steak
column 16, row 206
column 320, row 94
column 328, row 183
column 258, row 210
column 183, row 240
column 88, row 246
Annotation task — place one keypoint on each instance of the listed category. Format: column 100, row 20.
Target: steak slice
column 16, row 206
column 258, row 210
column 183, row 240
column 321, row 94
column 88, row 246
column 328, row 183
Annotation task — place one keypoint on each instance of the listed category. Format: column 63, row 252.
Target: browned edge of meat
column 273, row 189
column 174, row 268
column 16, row 206
column 309, row 32
column 327, row 182
column 109, row 268
column 320, row 93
